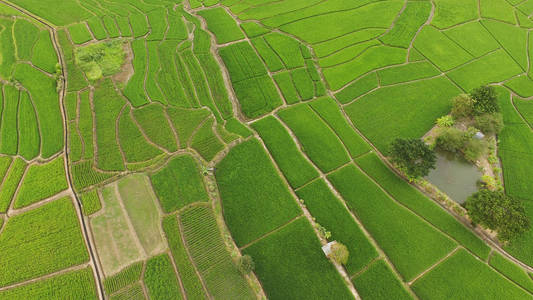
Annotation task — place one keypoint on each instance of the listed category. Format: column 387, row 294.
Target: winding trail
column 92, row 251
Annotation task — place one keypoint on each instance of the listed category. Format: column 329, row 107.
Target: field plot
column 49, row 234
column 439, row 284
column 179, row 184
column 389, row 286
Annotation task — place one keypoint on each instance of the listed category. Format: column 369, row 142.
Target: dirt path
column 62, row 94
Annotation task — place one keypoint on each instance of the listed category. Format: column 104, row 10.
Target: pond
column 454, row 176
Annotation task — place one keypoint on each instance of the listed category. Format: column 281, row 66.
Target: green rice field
column 213, row 149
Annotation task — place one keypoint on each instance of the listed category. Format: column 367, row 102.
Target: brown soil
column 127, row 68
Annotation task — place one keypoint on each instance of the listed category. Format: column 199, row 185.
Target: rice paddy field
column 146, row 147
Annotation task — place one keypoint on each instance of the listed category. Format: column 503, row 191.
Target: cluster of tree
column 500, row 212
column 480, row 110
column 413, row 157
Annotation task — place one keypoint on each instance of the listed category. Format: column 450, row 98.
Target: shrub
column 498, row 211
column 413, row 156
column 489, row 123
column 474, row 149
column 485, row 100
column 246, row 264
column 445, row 121
column 339, row 253
column 463, row 106
column 451, row 139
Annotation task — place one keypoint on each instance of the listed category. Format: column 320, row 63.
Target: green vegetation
column 413, row 157
column 290, row 264
column 160, row 278
column 222, row 25
column 100, row 59
column 511, row 271
column 296, row 169
column 379, row 282
column 33, row 188
column 11, row 182
column 212, row 260
column 125, row 277
column 179, row 184
column 49, row 234
column 90, row 202
column 440, row 284
column 254, row 198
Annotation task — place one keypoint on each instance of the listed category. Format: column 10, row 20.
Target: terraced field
column 146, row 147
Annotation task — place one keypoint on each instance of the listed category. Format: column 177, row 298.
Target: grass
column 379, row 282
column 160, row 278
column 107, row 106
column 271, row 59
column 100, row 59
column 150, row 84
column 49, row 234
column 318, row 141
column 409, row 72
column 110, row 229
column 328, row 110
column 7, row 48
column 74, row 285
column 285, row 84
column 511, row 271
column 493, row 67
column 222, row 25
column 133, row 90
column 422, row 205
column 209, row 253
column 411, row 244
column 48, row 10
column 332, row 46
column 233, row 125
column 29, row 137
column 79, row 33
column 189, row 278
column 84, row 175
column 110, row 25
column 257, row 96
column 521, row 85
column 332, row 215
column 97, row 28
column 133, row 292
column 287, row 48
column 303, row 83
column 254, row 198
column 205, row 142
column 33, row 188
column 179, row 184
column 11, row 182
column 499, row 10
column 473, row 37
column 379, row 115
column 347, row 54
column 358, row 88
column 9, row 121
column 413, row 16
column 43, row 88
column 453, row 12
column 215, row 80
column 447, row 281
column 158, row 24
column 25, row 36
column 290, row 265
column 440, row 50
column 241, row 61
column 185, row 121
column 90, row 202
column 132, row 142
column 152, row 121
column 125, row 277
column 253, row 29
column 513, row 39
column 294, row 166
column 140, row 203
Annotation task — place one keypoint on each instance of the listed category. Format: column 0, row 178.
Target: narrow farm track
column 62, row 94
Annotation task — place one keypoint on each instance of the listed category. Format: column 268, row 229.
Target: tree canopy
column 485, row 100
column 498, row 211
column 413, row 157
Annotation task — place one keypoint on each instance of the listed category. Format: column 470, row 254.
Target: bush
column 413, row 156
column 497, row 211
column 463, row 106
column 451, row 139
column 246, row 264
column 489, row 123
column 485, row 100
column 445, row 121
column 339, row 253
column 474, row 149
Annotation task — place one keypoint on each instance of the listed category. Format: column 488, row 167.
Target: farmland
column 209, row 149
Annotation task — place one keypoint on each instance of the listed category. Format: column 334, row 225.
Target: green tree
column 413, row 157
column 463, row 106
column 485, row 100
column 489, row 123
column 339, row 253
column 451, row 139
column 445, row 121
column 498, row 211
column 246, row 264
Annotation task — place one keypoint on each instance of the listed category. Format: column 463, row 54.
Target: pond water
column 454, row 176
